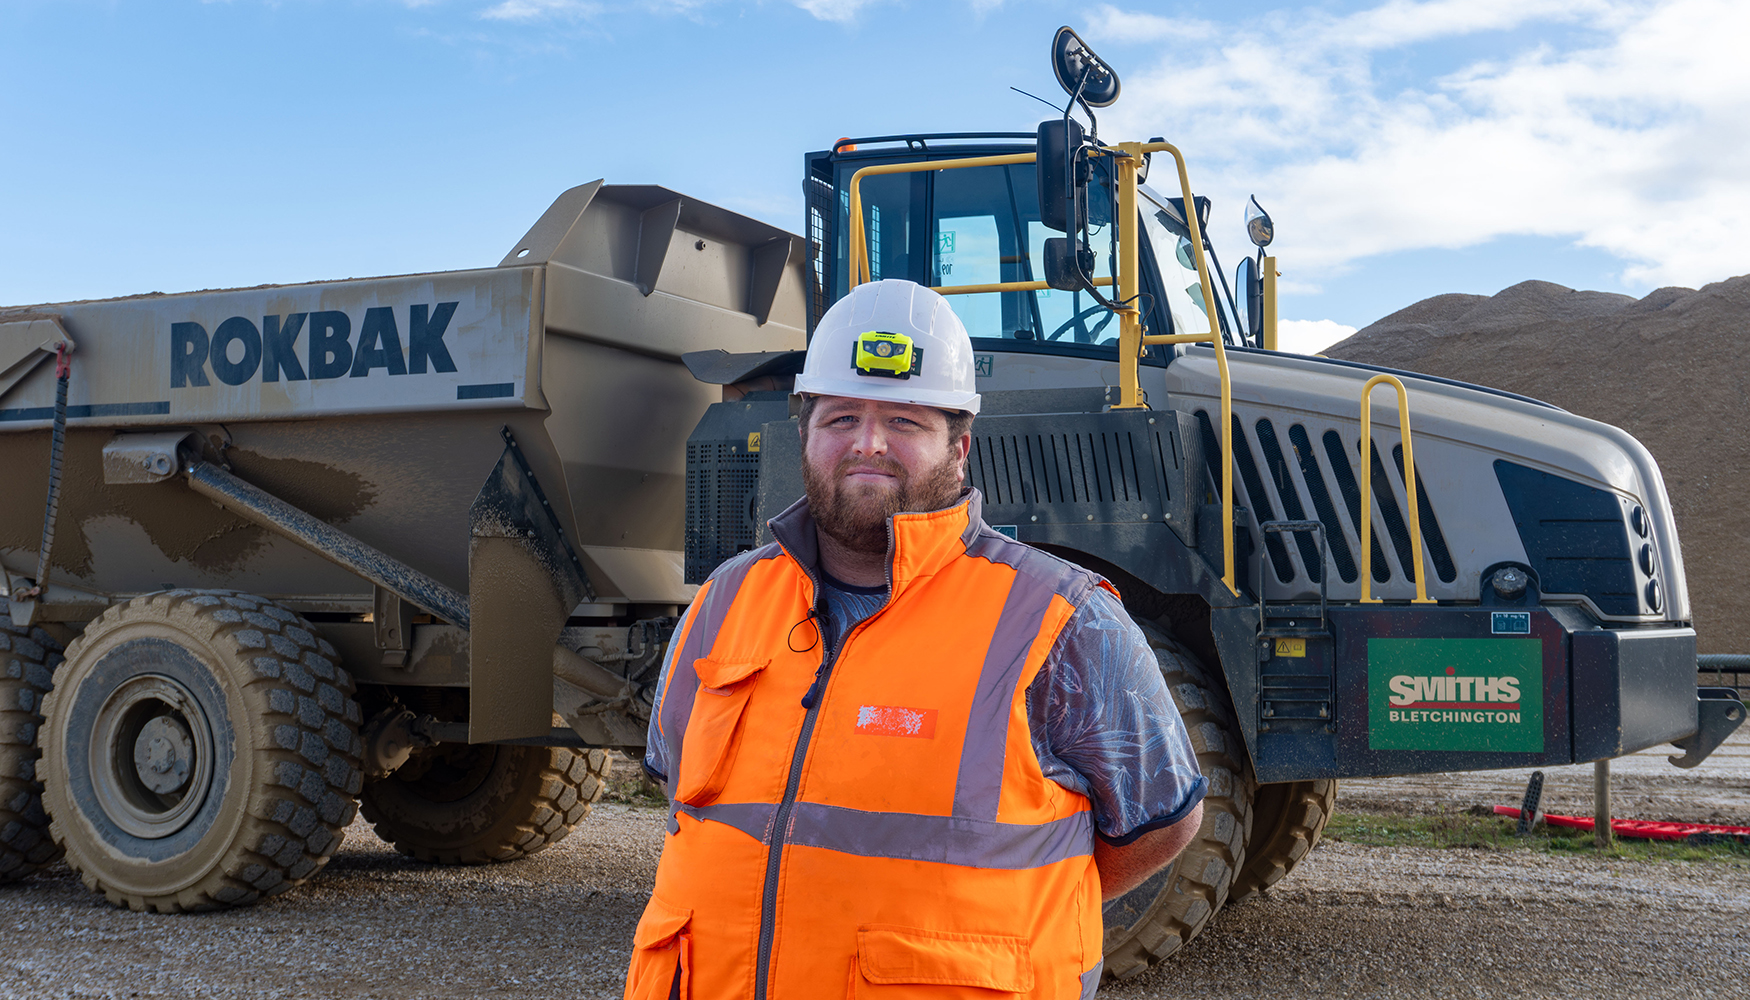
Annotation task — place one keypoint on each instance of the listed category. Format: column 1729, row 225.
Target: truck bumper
column 1398, row 689
column 1632, row 689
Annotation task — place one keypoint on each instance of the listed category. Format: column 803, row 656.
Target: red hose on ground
column 1645, row 829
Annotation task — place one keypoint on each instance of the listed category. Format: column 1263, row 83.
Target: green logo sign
column 1455, row 694
column 981, row 364
column 945, row 241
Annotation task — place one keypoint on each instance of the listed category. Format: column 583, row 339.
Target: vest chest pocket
column 895, row 962
column 661, row 954
column 715, row 727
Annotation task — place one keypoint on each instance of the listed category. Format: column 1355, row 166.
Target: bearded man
column 906, row 756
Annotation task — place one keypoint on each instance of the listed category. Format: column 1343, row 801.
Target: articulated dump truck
column 418, row 544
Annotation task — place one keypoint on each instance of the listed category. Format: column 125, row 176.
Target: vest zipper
column 781, row 819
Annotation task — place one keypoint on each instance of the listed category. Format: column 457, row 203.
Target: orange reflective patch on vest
column 892, row 720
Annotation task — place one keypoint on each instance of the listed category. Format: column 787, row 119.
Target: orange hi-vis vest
column 873, row 824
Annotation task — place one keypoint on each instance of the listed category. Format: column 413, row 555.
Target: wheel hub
column 151, row 756
column 164, row 754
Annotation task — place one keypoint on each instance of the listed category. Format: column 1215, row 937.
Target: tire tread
column 306, row 748
column 28, row 658
column 1202, row 876
column 568, row 783
column 1290, row 820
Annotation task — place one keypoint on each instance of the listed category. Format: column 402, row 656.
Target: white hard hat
column 896, row 341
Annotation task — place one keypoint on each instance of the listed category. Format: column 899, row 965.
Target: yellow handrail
column 1128, row 377
column 859, row 262
column 1003, row 286
column 1367, row 491
column 1131, row 339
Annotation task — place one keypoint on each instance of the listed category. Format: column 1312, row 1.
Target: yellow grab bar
column 1367, row 488
column 859, row 262
column 1003, row 286
column 1128, row 376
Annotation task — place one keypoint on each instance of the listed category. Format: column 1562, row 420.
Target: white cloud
column 833, row 10
column 1402, row 22
column 537, row 10
column 530, row 10
column 1309, row 336
column 1621, row 125
column 1135, row 26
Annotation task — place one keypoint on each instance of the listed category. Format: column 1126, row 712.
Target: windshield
column 987, row 230
column 1171, row 240
column 980, row 225
column 983, row 228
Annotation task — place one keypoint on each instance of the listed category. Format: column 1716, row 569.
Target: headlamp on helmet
column 887, row 355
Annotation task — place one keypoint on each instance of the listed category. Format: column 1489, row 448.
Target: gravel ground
column 1642, row 786
column 1351, row 921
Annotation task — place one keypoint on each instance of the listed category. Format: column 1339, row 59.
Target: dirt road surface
column 1352, row 921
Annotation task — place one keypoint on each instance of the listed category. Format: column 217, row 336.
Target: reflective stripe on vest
column 923, row 844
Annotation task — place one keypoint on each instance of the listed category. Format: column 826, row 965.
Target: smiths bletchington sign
column 1455, row 694
column 436, row 341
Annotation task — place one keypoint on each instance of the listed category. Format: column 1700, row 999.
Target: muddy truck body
column 413, row 543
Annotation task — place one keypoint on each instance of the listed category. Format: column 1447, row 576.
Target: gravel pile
column 1668, row 368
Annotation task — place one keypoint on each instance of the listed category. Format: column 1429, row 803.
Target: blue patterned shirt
column 1102, row 721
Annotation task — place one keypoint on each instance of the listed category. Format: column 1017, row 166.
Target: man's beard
column 856, row 516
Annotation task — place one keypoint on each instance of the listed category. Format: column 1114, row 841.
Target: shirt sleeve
column 656, row 750
column 1104, row 724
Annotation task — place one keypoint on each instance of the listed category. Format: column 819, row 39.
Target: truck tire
column 1157, row 918
column 28, row 658
column 1287, row 819
column 200, row 751
column 460, row 804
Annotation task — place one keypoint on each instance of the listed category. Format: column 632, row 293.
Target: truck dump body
column 376, row 405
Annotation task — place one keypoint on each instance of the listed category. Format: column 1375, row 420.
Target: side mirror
column 1251, row 285
column 1080, row 72
column 1258, row 224
column 1061, row 264
column 1057, row 141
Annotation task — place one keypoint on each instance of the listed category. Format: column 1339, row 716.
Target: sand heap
column 1669, row 369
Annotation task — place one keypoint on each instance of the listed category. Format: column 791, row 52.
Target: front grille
column 1291, row 506
column 722, row 482
column 1038, row 469
column 1321, row 498
column 1076, row 468
column 1300, row 486
column 1395, row 525
column 1351, row 490
column 1432, row 536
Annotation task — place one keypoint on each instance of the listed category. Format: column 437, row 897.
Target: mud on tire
column 201, row 751
column 28, row 657
column 1155, row 919
column 458, row 804
column 1288, row 818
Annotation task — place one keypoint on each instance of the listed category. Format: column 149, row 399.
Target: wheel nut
column 163, row 755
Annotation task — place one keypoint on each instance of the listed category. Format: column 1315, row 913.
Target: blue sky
column 1405, row 149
